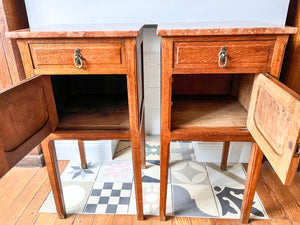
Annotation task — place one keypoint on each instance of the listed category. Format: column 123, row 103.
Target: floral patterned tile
column 74, row 172
column 151, row 196
column 234, row 176
column 115, row 171
column 152, row 150
column 189, row 172
column 181, row 151
column 148, row 187
column 194, row 201
column 229, row 201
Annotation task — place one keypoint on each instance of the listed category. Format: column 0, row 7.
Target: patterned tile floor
column 195, row 189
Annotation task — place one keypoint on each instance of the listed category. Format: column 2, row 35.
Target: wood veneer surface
column 91, row 112
column 207, row 111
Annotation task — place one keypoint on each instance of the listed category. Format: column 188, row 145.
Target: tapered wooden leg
column 253, row 171
column 136, row 161
column 143, row 149
column 225, row 155
column 164, row 166
column 54, row 176
column 82, row 154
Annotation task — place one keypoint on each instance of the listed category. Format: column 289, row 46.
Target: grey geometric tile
column 75, row 196
column 74, row 172
column 180, row 150
column 229, row 202
column 115, row 171
column 110, row 198
column 194, row 201
column 189, row 172
column 234, row 176
column 152, row 172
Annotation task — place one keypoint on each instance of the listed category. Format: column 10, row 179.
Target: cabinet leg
column 253, row 171
column 143, row 149
column 225, row 155
column 136, row 160
column 82, row 154
column 164, row 167
column 54, row 176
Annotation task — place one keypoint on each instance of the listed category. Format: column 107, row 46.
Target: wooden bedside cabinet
column 82, row 85
column 207, row 79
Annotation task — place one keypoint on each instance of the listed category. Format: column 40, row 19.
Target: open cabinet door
column 27, row 115
column 274, row 122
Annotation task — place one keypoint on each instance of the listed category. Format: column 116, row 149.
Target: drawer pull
column 78, row 58
column 223, row 57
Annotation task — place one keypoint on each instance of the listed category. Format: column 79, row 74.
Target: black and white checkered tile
column 109, row 198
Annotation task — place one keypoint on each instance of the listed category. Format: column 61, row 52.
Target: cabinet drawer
column 246, row 56
column 58, row 58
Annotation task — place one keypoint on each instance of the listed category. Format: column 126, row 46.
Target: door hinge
column 297, row 152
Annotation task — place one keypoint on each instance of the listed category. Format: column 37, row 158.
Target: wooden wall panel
column 290, row 74
column 5, row 79
column 12, row 16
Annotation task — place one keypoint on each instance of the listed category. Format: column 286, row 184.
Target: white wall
column 45, row 12
column 152, row 80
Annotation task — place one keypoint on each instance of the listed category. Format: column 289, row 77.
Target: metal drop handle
column 78, row 58
column 223, row 57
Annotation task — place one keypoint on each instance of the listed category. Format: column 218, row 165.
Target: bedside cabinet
column 211, row 91
column 83, row 83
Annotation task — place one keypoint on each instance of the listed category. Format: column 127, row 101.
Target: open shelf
column 95, row 112
column 91, row 102
column 211, row 101
column 207, row 111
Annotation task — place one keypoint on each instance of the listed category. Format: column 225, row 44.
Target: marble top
column 79, row 30
column 221, row 28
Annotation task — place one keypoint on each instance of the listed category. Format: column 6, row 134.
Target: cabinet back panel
column 208, row 84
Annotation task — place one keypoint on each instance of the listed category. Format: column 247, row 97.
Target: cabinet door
column 274, row 122
column 27, row 116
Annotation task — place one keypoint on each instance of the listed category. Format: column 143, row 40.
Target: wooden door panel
column 27, row 116
column 274, row 122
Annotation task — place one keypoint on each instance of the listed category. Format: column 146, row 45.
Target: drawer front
column 240, row 55
column 52, row 58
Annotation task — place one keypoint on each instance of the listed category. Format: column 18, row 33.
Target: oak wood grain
column 13, row 16
column 28, row 115
column 273, row 121
column 256, row 156
column 290, row 74
column 31, row 212
column 225, row 152
column 207, row 111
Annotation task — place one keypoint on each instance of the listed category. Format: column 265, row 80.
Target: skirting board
column 212, row 151
column 94, row 150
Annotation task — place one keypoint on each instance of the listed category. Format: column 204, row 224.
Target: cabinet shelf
column 95, row 112
column 207, row 111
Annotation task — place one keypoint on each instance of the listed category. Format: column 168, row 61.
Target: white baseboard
column 94, row 150
column 212, row 151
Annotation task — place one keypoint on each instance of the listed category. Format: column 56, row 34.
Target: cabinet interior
column 212, row 100
column 91, row 102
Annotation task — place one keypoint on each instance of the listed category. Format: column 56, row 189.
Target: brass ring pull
column 78, row 58
column 223, row 57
